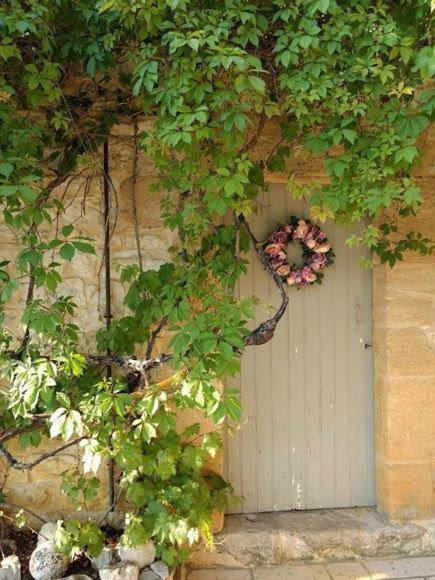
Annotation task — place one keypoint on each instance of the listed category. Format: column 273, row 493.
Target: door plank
column 327, row 338
column 279, row 377
column 263, row 375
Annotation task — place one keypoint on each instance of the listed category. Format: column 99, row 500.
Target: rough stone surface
column 346, row 570
column 103, row 560
column 46, row 563
column 308, row 572
column 365, row 569
column 160, row 568
column 141, row 556
column 10, row 568
column 47, row 532
column 211, row 574
column 403, row 568
column 121, row 571
column 321, row 535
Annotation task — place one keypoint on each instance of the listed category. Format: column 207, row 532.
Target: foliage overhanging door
column 307, row 395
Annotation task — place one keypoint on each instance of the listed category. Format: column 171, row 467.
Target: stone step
column 326, row 535
column 415, row 568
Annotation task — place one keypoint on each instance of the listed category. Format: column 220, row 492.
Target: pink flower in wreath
column 273, row 249
column 302, row 230
column 311, row 243
column 321, row 236
column 308, row 275
column 315, row 231
column 295, row 278
column 317, row 262
column 279, row 237
column 288, row 229
column 276, row 262
column 283, row 270
column 322, row 248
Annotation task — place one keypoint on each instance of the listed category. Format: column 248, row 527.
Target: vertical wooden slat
column 342, row 424
column 248, row 401
column 327, row 340
column 313, row 396
column 297, row 384
column 279, row 377
column 263, row 375
column 358, row 392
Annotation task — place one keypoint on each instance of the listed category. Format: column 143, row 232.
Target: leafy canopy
column 341, row 80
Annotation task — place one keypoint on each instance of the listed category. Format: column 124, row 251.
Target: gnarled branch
column 130, row 362
column 265, row 331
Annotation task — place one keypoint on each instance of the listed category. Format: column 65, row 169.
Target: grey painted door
column 307, row 396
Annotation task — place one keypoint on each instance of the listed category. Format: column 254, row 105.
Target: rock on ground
column 10, row 568
column 46, row 563
column 148, row 574
column 121, row 571
column 103, row 560
column 161, row 569
column 76, row 577
column 46, row 533
column 142, row 555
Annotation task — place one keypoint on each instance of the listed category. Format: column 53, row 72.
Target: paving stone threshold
column 415, row 568
column 316, row 536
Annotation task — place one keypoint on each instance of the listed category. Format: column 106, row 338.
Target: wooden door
column 307, row 396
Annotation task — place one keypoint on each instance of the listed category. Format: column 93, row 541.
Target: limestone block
column 404, row 491
column 403, row 352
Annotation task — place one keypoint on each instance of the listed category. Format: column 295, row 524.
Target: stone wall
column 403, row 341
column 404, row 344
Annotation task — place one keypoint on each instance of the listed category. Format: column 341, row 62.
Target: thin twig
column 133, row 197
column 14, row 431
column 16, row 508
column 155, row 333
column 17, row 464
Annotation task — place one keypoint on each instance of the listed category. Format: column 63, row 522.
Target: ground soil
column 23, row 541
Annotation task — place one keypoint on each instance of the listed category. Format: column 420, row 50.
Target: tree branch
column 14, row 431
column 133, row 198
column 254, row 139
column 154, row 335
column 16, row 508
column 17, row 464
column 265, row 331
column 132, row 363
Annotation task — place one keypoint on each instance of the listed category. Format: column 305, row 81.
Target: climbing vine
column 345, row 81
